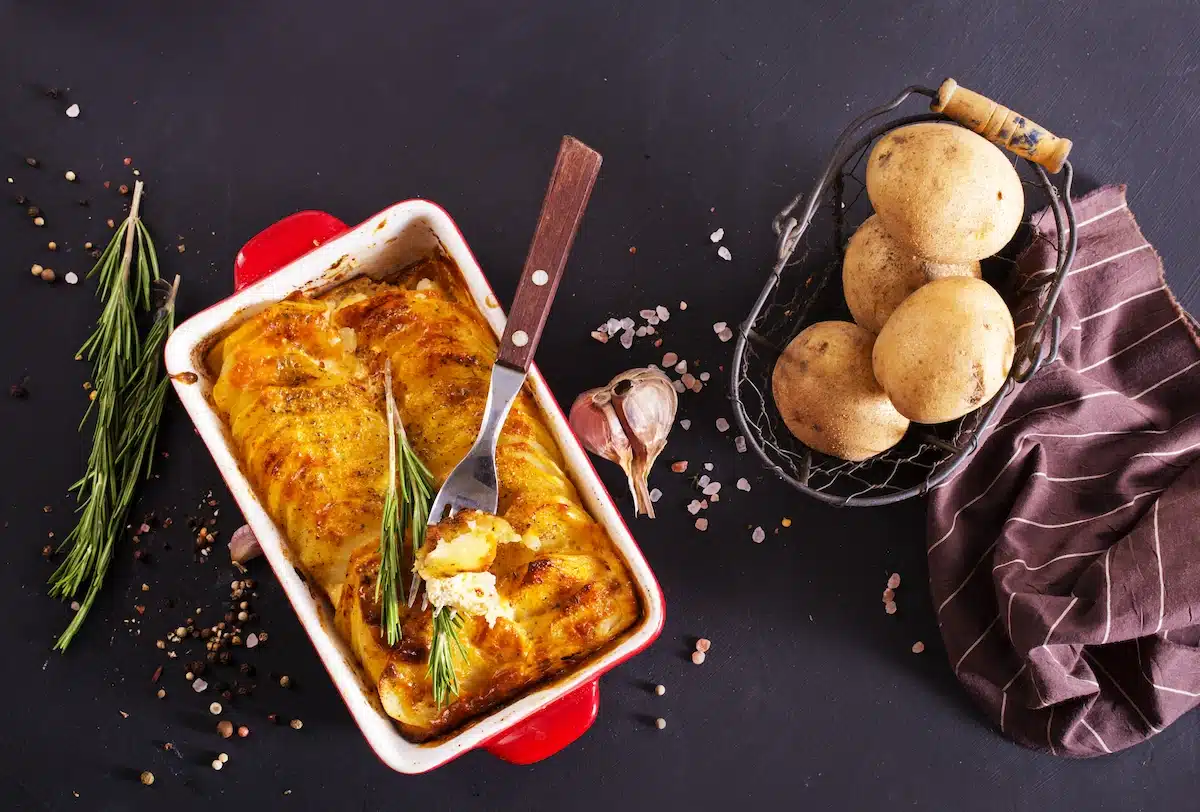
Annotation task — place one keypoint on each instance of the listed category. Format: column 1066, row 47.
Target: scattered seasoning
column 36, row 269
column 918, row 647
column 722, row 424
column 217, row 764
column 724, row 254
column 669, row 360
column 70, row 176
column 33, row 162
column 52, row 245
column 39, row 221
column 660, row 723
column 71, row 278
column 296, row 724
column 147, row 777
column 890, row 607
column 47, row 275
column 655, row 495
column 73, row 111
column 685, row 424
column 894, row 581
column 702, row 524
column 225, row 728
column 162, row 693
column 703, row 645
column 739, row 443
column 215, row 708
column 683, row 305
column 127, row 161
column 87, row 246
column 123, row 189
column 109, row 222
column 697, row 658
column 659, row 690
column 285, row 681
column 223, row 758
column 717, row 235
column 743, row 484
column 157, row 674
column 633, row 249
column 679, row 467
column 888, row 595
column 199, row 685
column 243, row 731
column 599, row 336
column 758, row 535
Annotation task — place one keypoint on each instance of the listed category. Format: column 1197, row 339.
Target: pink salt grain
column 890, row 607
column 894, row 581
column 697, row 657
column 702, row 524
column 918, row 647
column 703, row 645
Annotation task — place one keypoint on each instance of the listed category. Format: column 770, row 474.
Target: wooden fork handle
column 1002, row 126
column 571, row 185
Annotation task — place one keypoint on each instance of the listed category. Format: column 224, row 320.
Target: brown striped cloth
column 1064, row 560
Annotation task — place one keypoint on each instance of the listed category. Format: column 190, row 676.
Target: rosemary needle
column 443, row 642
column 389, row 587
column 130, row 393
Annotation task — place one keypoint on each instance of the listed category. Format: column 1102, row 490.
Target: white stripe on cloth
column 967, row 580
column 1130, row 503
column 1102, row 361
column 1051, row 561
column 1162, row 585
column 1155, row 685
column 1101, row 215
column 1046, row 645
column 979, row 639
column 1095, row 264
column 1049, row 735
column 1096, row 664
column 1107, row 596
column 1004, row 693
column 1092, row 730
column 1147, row 391
column 1120, row 304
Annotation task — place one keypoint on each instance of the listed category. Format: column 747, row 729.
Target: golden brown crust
column 300, row 385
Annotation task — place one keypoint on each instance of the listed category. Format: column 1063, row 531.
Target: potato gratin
column 300, row 385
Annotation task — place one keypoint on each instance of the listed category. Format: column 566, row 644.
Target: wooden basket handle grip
column 1002, row 126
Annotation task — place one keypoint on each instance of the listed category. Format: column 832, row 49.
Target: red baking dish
column 312, row 251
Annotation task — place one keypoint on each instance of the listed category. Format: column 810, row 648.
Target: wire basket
column 812, row 233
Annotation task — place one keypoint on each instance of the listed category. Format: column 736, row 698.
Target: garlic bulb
column 627, row 422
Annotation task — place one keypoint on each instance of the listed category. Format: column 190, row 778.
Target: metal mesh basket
column 804, row 287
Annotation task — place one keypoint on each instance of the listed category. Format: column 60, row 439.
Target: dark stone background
column 240, row 113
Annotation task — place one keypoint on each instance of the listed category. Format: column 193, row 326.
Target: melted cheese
column 300, row 387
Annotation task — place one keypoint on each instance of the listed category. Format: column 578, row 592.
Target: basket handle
column 1002, row 126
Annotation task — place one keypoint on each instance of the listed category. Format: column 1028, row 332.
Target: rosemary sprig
column 445, row 639
column 406, row 505
column 128, row 403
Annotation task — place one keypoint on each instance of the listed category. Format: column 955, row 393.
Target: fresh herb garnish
column 389, row 588
column 445, row 639
column 129, row 392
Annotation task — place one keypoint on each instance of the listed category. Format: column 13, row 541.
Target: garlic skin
column 627, row 422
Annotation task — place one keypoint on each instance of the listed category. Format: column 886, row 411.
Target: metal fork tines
column 473, row 482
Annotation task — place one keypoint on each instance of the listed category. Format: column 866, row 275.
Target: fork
column 473, row 482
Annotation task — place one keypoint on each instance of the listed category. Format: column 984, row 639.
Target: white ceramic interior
column 384, row 243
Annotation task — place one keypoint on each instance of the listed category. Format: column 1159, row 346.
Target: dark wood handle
column 1002, row 126
column 571, row 185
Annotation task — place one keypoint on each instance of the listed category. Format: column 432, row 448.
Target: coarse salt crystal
column 685, row 424
column 722, row 424
column 704, row 376
column 708, row 466
column 199, row 685
column 71, row 278
column 724, row 254
column 670, row 359
column 627, row 339
column 679, row 387
column 663, row 313
column 655, row 495
column 716, row 497
column 73, row 111
column 712, row 488
column 251, row 640
column 739, row 443
column 679, row 467
column 681, row 367
column 719, row 326
column 918, row 647
column 702, row 523
column 599, row 336
column 704, row 504
column 743, row 484
column 890, row 607
column 696, row 386
column 717, row 235
column 703, row 480
column 888, row 595
column 652, row 319
column 687, row 379
column 650, row 330
column 627, row 323
column 639, row 332
column 693, row 507
column 645, row 314
column 725, row 334
column 614, row 326
column 758, row 535
column 683, row 305
column 894, row 581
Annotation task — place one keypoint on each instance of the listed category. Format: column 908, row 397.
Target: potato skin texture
column 946, row 350
column 828, row 396
column 878, row 273
column 945, row 192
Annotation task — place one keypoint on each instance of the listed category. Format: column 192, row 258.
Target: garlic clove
column 627, row 422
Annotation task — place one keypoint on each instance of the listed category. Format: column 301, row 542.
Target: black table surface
column 708, row 115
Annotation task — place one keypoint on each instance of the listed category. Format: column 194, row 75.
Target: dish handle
column 550, row 729
column 278, row 244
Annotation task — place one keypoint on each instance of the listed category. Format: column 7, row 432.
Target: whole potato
column 827, row 394
column 944, row 191
column 946, row 349
column 879, row 273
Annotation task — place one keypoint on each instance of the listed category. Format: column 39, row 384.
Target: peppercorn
column 247, row 669
column 296, row 724
column 33, row 211
column 147, row 778
column 33, row 162
column 225, row 728
column 124, row 189
column 225, row 657
column 273, row 718
column 22, row 200
column 243, row 731
column 285, row 681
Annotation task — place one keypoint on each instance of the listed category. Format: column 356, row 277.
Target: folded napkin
column 1064, row 560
